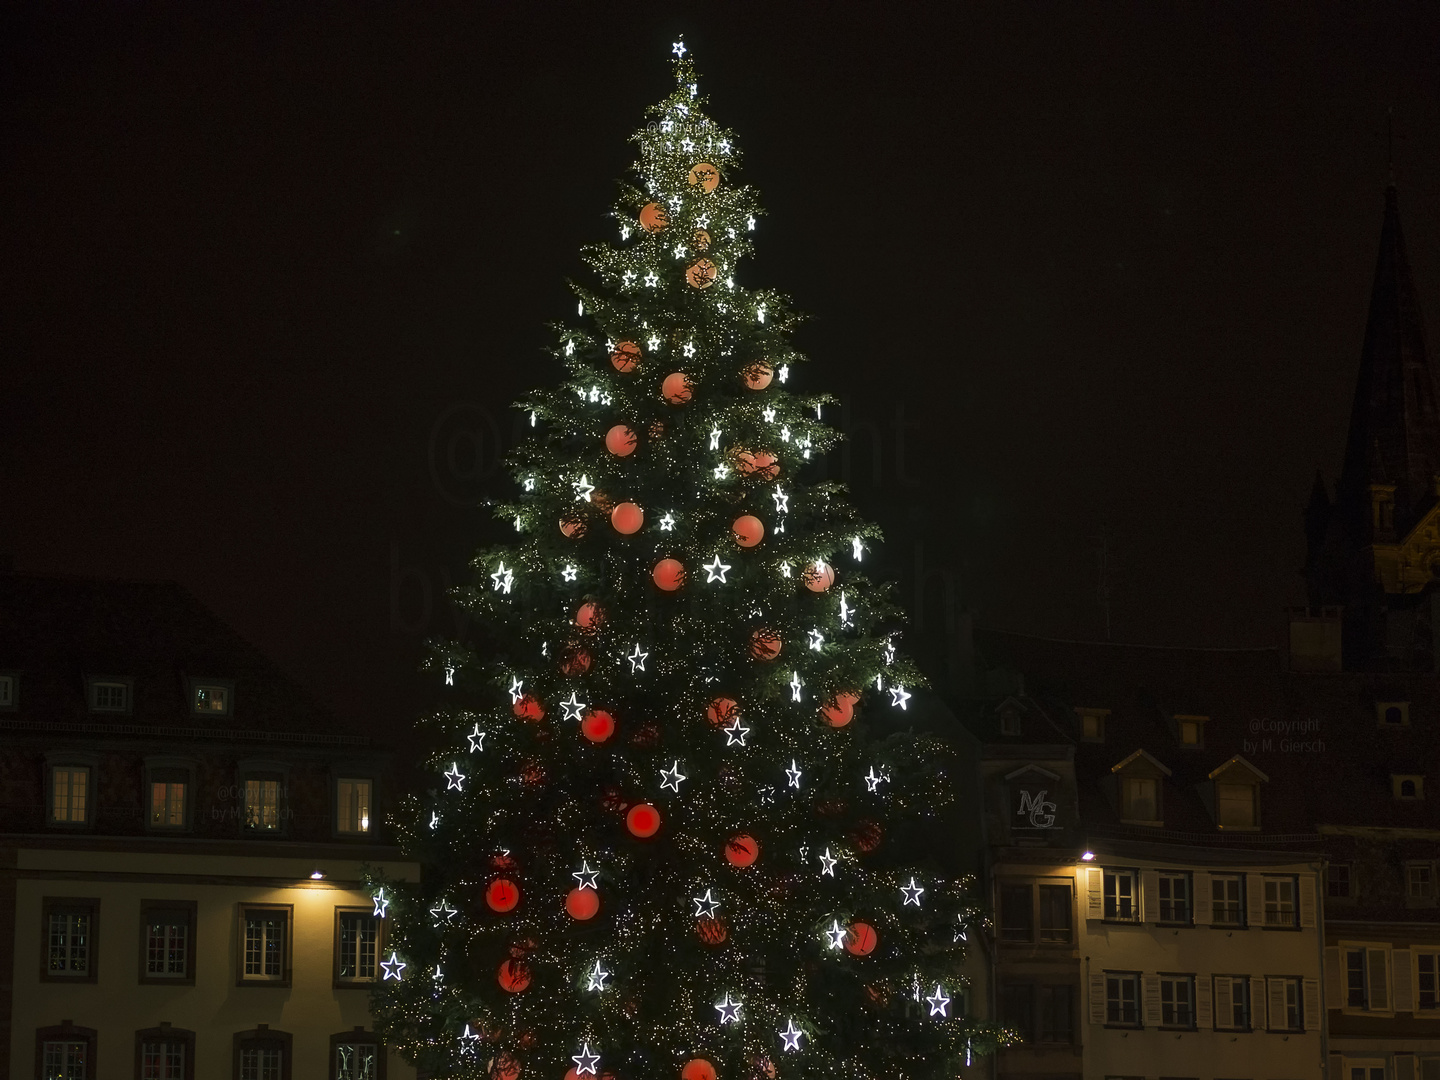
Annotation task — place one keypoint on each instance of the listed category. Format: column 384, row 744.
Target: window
column 1120, row 905
column 69, row 794
column 356, row 1055
column 1407, row 786
column 1420, row 882
column 1122, row 998
column 1017, row 917
column 1232, row 1002
column 109, row 696
column 1367, row 981
column 1227, row 900
column 1280, row 902
column 1009, row 720
column 1177, row 1001
column 168, row 789
column 1190, row 731
column 1018, row 906
column 1017, row 1009
column 1284, row 1004
column 210, row 698
column 1337, row 881
column 352, row 811
column 69, row 934
column 262, row 1054
column 7, row 691
column 1367, row 1072
column 65, row 1052
column 1235, row 805
column 1055, row 913
column 1139, row 799
column 165, row 1053
column 1393, row 713
column 167, row 942
column 1057, row 1015
column 262, row 804
column 1092, row 724
column 264, row 943
column 1175, row 898
column 357, row 946
column 1355, row 997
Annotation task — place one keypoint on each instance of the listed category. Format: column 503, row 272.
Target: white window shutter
column 1376, row 982
column 1203, row 1018
column 1404, row 1067
column 1275, row 1003
column 1094, row 893
column 1204, row 895
column 1311, row 989
column 1257, row 1003
column 1224, row 1005
column 1152, row 999
column 1334, row 984
column 1404, row 987
column 1150, row 895
column 1307, row 900
column 1254, row 901
column 1097, row 999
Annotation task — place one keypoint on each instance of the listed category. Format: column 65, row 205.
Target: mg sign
column 1034, row 795
column 1038, row 811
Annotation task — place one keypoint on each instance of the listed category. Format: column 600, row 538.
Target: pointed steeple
column 1394, row 438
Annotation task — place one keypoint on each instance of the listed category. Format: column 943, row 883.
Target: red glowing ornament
column 505, row 1066
column 701, row 273
column 643, row 820
column 704, row 174
column 597, row 726
column 748, row 530
column 590, row 616
column 575, row 663
column 502, row 895
column 620, row 440
column 582, row 904
column 818, row 576
column 742, row 850
column 861, row 939
column 758, row 375
column 677, row 388
column 838, row 713
column 653, row 218
column 573, row 526
column 758, row 463
column 697, row 1069
column 514, row 976
column 722, row 710
column 669, row 574
column 764, row 644
column 711, row 931
column 627, row 518
column 626, row 357
column 866, row 836
column 529, row 708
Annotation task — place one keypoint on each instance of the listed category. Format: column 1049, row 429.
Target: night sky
column 273, row 272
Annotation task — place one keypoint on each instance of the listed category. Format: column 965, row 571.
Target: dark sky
column 271, row 269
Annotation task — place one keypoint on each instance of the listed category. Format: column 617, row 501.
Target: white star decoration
column 583, row 489
column 585, row 876
column 503, row 579
column 679, row 251
column 795, row 685
column 598, row 977
column 716, row 571
column 855, row 548
column 817, row 639
column 627, row 277
column 769, row 415
column 574, row 707
column 836, row 934
column 729, row 1011
column 569, row 573
column 872, row 781
column 782, row 501
column 785, row 569
column 705, row 905
column 468, row 1042
column 516, row 690
column 715, row 438
column 784, row 371
column 792, row 1036
column 721, row 471
column 827, row 864
column 477, row 740
column 654, row 343
column 652, row 279
column 898, row 696
column 637, row 659
column 689, row 349
column 671, row 777
column 449, row 675
column 794, row 773
column 785, row 433
column 585, row 1061
column 443, row 912
column 455, row 779
column 844, row 610
column 667, row 523
column 392, row 968
column 381, row 903
column 889, row 654
column 912, row 893
column 938, row 1001
column 679, row 50
column 434, row 820
column 735, row 733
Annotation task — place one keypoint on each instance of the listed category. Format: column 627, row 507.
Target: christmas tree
column 665, row 840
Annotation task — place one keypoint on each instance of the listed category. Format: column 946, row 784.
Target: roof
column 57, row 630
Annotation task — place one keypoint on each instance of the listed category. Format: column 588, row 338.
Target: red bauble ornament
column 576, row 662
column 836, row 712
column 764, row 644
column 758, row 375
column 866, row 836
column 818, row 576
column 573, row 526
column 653, row 218
column 626, row 357
column 620, row 440
column 627, row 518
column 721, row 711
column 597, row 725
column 643, row 820
column 669, row 574
column 677, row 388
column 711, row 931
column 529, row 708
column 758, row 463
column 514, row 976
column 701, row 274
column 847, row 699
column 860, row 939
column 502, row 895
column 589, row 615
column 742, row 850
column 706, row 175
column 697, row 1069
column 505, row 1066
column 748, row 530
column 582, row 904
column 523, row 947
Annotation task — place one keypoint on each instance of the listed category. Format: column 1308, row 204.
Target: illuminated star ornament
column 872, row 781
column 585, row 876
column 716, row 571
column 569, row 573
column 585, row 1061
column 782, row 501
column 434, row 820
column 468, row 1042
column 573, row 707
column 795, row 685
column 722, row 471
column 598, row 977
column 678, row 48
column 938, row 1002
column 670, row 778
column 516, row 691
column 836, row 934
column 794, row 773
column 715, row 438
column 381, row 903
column 912, row 893
column 503, row 579
column 392, row 968
column 729, row 1011
column 689, row 349
column 455, row 779
column 735, row 734
column 898, row 696
column 652, row 279
column 449, row 675
column 443, row 912
column 817, row 639
column 477, row 739
column 705, row 905
column 583, row 488
column 637, row 659
column 769, row 415
column 792, row 1036
column 855, row 549
column 827, row 863
column 667, row 523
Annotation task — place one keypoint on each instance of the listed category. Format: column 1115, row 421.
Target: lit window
column 356, row 1060
column 1280, row 901
column 1122, row 999
column 1227, row 900
column 1235, row 805
column 1139, row 799
column 1175, row 898
column 1177, row 1001
column 168, row 946
column 109, row 696
column 1092, row 724
column 262, row 804
column 353, row 806
column 1189, row 732
column 65, row 1059
column 167, row 803
column 209, row 699
column 70, row 944
column 69, row 791
column 357, row 946
column 264, row 944
column 1120, row 905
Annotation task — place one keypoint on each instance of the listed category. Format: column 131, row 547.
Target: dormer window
column 1237, row 794
column 1139, row 801
column 7, row 691
column 1190, row 730
column 211, row 697
column 1092, row 724
column 109, row 695
column 1409, row 787
column 1140, row 780
column 1009, row 720
column 1393, row 714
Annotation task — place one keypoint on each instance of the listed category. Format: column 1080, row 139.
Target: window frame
column 189, row 909
column 262, row 1034
column 1181, row 720
column 1382, row 706
column 1433, row 953
column 1173, row 978
column 1243, row 922
column 262, row 771
column 1242, row 981
column 1117, row 872
column 1164, row 876
column 1412, row 899
column 357, row 1037
column 67, row 1032
column 90, row 905
column 1288, row 981
column 1349, row 872
column 1399, row 780
column 91, row 764
column 287, row 951
column 1266, row 880
column 165, row 1033
column 170, row 770
column 94, row 682
column 1134, row 980
column 195, row 683
column 10, row 678
column 1254, row 790
column 1101, row 718
column 336, row 981
column 352, row 776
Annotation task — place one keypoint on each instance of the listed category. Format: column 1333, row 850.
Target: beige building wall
column 117, row 1004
